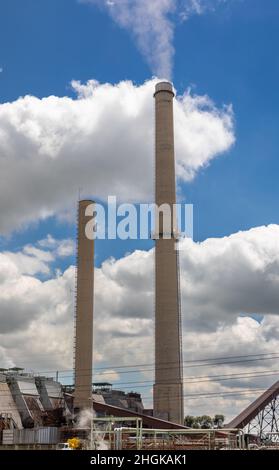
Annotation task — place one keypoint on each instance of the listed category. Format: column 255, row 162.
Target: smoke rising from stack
column 152, row 23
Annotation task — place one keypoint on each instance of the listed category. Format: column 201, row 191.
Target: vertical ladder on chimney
column 179, row 315
column 75, row 296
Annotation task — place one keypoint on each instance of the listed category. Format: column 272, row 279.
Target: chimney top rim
column 164, row 86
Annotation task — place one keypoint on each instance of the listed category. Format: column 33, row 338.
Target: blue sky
column 228, row 54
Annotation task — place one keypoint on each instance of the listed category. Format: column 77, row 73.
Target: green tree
column 189, row 421
column 218, row 421
column 204, row 422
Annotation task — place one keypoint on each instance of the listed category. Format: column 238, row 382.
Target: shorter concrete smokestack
column 84, row 312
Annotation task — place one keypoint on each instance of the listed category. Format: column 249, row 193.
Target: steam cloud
column 152, row 24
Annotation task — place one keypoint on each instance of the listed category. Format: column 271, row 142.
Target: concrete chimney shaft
column 168, row 387
column 84, row 312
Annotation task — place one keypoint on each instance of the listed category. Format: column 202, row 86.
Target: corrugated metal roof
column 53, row 389
column 148, row 421
column 27, row 386
column 7, row 404
column 98, row 398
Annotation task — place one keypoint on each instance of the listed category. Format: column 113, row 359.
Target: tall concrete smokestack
column 84, row 312
column 168, row 388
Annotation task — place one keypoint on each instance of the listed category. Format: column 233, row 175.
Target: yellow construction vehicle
column 74, row 443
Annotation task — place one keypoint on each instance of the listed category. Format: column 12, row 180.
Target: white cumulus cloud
column 60, row 248
column 224, row 283
column 102, row 142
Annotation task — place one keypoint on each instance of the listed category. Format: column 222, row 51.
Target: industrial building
column 128, row 401
column 39, row 411
column 27, row 401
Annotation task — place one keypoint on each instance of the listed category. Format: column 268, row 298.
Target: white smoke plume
column 85, row 417
column 152, row 24
column 84, row 420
